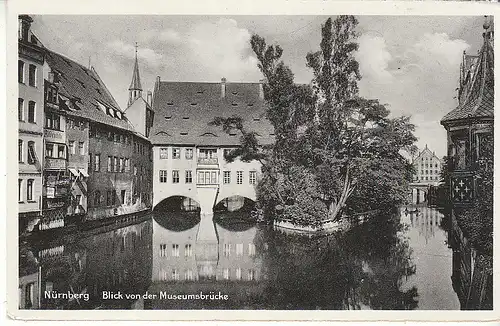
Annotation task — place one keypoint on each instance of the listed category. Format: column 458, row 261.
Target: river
column 174, row 261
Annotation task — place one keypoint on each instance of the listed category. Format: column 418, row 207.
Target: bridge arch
column 234, row 202
column 177, row 203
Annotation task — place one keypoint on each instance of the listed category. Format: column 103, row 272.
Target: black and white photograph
column 254, row 162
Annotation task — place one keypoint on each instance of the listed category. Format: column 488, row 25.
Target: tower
column 135, row 88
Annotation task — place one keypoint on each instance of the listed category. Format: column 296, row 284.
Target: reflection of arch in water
column 176, row 221
column 234, row 203
column 177, row 204
column 233, row 224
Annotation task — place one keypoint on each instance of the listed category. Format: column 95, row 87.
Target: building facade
column 31, row 118
column 189, row 152
column 470, row 165
column 427, row 167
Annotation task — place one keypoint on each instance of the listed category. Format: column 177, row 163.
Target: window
column 49, row 150
column 238, row 273
column 227, row 249
column 227, row 177
column 163, row 250
column 32, row 75
column 31, row 113
column 175, row 274
column 189, row 153
column 239, row 177
column 97, row 198
column 20, row 109
column 113, row 193
column 239, row 249
column 226, row 273
column 31, row 152
column 97, row 162
column 176, row 153
column 201, row 177
column 175, row 250
column 122, row 196
column 20, row 71
column 71, row 147
column 252, row 177
column 188, row 250
column 115, row 162
column 226, row 152
column 20, row 190
column 61, row 151
column 251, row 275
column 163, row 153
column 110, row 164
column 121, row 165
column 20, row 152
column 29, row 190
column 135, row 169
column 188, row 276
column 175, row 176
column 81, row 148
column 163, row 176
column 251, row 249
column 29, row 295
column 109, row 194
column 127, row 165
column 52, row 121
column 189, row 176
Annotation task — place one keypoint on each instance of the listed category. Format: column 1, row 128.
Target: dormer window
column 256, row 119
column 250, row 104
column 118, row 115
column 81, row 83
column 199, row 92
column 185, row 118
column 170, row 103
column 98, row 91
column 234, row 104
column 235, row 93
column 194, row 103
column 184, row 133
column 232, row 133
column 168, row 117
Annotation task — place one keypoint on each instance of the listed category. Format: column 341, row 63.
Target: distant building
column 470, row 143
column 31, row 119
column 189, row 152
column 427, row 167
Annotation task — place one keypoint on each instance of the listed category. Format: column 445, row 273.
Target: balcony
column 208, row 161
column 55, row 192
column 55, row 163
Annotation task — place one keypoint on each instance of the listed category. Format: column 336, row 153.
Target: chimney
column 261, row 88
column 24, row 27
column 223, row 87
column 150, row 98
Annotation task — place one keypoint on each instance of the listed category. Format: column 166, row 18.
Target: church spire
column 135, row 89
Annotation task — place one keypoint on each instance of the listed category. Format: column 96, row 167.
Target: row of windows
column 188, row 153
column 75, row 124
column 139, row 148
column 29, row 190
column 188, row 250
column 427, row 178
column 72, row 147
column 55, row 150
column 31, row 73
column 207, row 177
column 163, row 275
column 31, row 152
column 118, row 164
column 427, row 165
column 429, row 172
column 111, row 198
column 21, row 111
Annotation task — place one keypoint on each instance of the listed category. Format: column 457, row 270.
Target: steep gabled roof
column 477, row 98
column 183, row 111
column 135, row 84
column 87, row 90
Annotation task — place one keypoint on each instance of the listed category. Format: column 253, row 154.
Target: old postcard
column 307, row 160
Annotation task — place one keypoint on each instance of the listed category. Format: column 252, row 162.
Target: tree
column 326, row 134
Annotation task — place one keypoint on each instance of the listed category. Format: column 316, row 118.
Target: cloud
column 374, row 58
column 222, row 49
column 126, row 50
column 416, row 79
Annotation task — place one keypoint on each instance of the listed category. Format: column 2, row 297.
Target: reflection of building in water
column 110, row 261
column 426, row 222
column 191, row 264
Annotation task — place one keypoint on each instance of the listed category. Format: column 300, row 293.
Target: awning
column 74, row 172
column 84, row 173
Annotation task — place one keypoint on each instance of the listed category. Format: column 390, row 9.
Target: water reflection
column 389, row 262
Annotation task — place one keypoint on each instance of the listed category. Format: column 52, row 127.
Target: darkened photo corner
column 255, row 162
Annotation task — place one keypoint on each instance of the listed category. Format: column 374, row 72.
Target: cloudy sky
column 410, row 63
